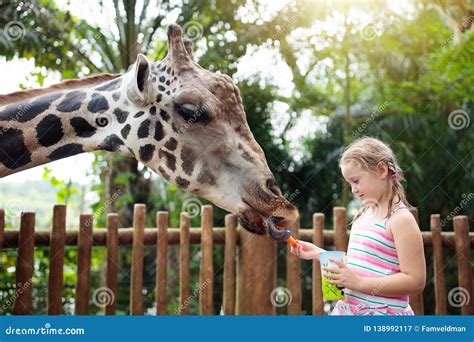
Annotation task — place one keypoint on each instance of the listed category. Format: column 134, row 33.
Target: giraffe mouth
column 277, row 234
column 255, row 225
column 258, row 223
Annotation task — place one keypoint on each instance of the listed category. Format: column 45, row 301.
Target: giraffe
column 183, row 122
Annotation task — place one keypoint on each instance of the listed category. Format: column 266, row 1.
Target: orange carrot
column 292, row 241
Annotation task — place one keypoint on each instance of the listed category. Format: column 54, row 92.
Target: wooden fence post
column 24, row 265
column 84, row 253
column 184, row 250
column 229, row 264
column 56, row 263
column 438, row 264
column 463, row 252
column 341, row 239
column 293, row 275
column 318, row 240
column 256, row 274
column 112, row 262
column 136, row 277
column 161, row 261
column 206, row 272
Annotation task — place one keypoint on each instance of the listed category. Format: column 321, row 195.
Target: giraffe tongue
column 279, row 235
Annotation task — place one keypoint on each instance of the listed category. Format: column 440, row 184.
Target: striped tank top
column 371, row 253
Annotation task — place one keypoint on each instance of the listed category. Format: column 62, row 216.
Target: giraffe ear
column 188, row 45
column 138, row 89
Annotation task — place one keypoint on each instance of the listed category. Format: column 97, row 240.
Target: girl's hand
column 305, row 250
column 341, row 275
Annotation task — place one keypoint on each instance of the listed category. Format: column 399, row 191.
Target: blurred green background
column 314, row 75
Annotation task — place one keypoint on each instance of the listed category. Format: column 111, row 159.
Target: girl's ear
column 382, row 169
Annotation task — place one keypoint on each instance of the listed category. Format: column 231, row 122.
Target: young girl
column 385, row 260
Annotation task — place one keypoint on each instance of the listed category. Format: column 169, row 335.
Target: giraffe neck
column 72, row 121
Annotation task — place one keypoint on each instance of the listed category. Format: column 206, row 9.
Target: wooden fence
column 250, row 261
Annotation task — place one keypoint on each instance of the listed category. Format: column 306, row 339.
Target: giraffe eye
column 192, row 113
column 190, row 106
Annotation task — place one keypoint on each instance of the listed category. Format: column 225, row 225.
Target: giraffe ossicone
column 183, row 122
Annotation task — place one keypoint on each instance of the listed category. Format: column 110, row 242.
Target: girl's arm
column 409, row 245
column 307, row 250
column 317, row 251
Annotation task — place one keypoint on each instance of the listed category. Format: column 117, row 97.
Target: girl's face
column 366, row 185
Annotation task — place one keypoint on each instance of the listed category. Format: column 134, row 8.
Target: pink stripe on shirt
column 374, row 261
column 374, row 245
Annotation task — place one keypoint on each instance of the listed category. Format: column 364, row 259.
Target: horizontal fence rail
column 250, row 261
column 42, row 237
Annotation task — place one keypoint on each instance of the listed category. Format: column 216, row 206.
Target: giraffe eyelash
column 192, row 115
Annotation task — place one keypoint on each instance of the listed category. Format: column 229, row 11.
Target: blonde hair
column 368, row 153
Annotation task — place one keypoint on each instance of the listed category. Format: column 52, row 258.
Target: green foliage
column 64, row 190
column 398, row 77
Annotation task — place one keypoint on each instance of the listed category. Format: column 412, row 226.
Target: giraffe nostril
column 271, row 185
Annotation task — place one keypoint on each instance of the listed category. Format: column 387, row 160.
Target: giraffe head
column 191, row 129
